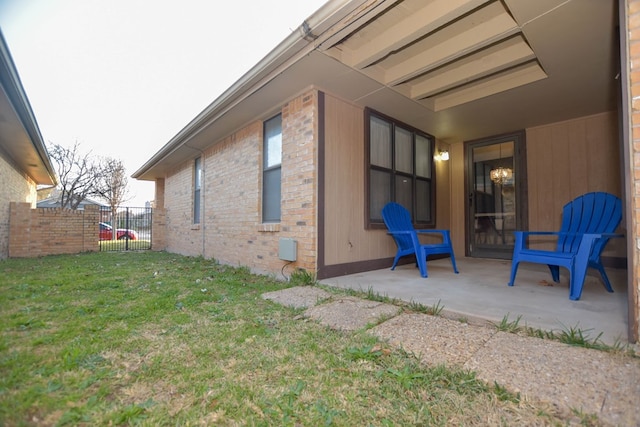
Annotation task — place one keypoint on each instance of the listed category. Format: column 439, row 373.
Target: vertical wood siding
column 567, row 159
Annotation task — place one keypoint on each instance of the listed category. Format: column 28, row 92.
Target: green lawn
column 121, row 245
column 148, row 338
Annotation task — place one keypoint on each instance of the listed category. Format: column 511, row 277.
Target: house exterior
column 24, row 161
column 290, row 166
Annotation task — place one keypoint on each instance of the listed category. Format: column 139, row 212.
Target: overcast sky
column 122, row 77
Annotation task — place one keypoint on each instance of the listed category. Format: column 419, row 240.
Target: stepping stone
column 351, row 313
column 432, row 339
column 298, row 297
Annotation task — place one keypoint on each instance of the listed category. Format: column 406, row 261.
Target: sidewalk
column 591, row 381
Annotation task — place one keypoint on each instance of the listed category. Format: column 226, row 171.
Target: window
column 272, row 165
column 197, row 184
column 399, row 169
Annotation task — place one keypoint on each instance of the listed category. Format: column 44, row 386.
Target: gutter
column 297, row 44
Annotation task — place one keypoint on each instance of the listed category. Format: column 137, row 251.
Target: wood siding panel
column 568, row 159
column 346, row 239
column 561, row 175
column 578, row 179
column 458, row 199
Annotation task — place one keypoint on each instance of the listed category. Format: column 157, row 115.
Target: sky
column 122, row 77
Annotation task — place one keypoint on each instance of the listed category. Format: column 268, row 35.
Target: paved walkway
column 591, row 381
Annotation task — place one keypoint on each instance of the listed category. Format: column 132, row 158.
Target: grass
column 572, row 335
column 433, row 310
column 119, row 245
column 148, row 338
column 512, row 326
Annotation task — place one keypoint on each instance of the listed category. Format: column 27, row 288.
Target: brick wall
column 299, row 177
column 159, row 230
column 159, row 198
column 51, row 231
column 182, row 236
column 633, row 28
column 16, row 187
column 231, row 206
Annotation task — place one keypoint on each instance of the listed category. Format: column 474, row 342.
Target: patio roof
column 456, row 69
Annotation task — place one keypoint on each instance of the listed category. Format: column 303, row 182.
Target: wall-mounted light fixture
column 441, row 155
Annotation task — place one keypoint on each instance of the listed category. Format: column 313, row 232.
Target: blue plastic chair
column 588, row 222
column 398, row 222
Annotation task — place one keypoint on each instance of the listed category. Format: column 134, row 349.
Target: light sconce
column 441, row 155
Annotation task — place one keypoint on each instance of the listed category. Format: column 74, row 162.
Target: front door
column 495, row 172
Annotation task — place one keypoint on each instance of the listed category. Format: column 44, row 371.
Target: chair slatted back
column 397, row 218
column 590, row 213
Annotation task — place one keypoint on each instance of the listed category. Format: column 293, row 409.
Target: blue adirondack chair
column 588, row 222
column 398, row 222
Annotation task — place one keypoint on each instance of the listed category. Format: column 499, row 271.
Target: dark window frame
column 271, row 176
column 197, row 187
column 372, row 222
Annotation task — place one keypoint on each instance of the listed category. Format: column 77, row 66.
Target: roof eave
column 323, row 19
column 45, row 173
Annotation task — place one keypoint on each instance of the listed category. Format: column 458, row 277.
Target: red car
column 106, row 233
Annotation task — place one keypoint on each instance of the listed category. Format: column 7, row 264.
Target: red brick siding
column 51, row 231
column 299, row 177
column 232, row 189
column 182, row 236
column 16, row 187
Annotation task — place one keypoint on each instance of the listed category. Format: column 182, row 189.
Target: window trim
column 266, row 170
column 379, row 224
column 197, row 193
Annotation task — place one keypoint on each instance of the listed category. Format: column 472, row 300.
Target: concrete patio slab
column 590, row 381
column 480, row 293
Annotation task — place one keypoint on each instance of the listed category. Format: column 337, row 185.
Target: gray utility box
column 288, row 249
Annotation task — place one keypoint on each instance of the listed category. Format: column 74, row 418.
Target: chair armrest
column 539, row 233
column 611, row 235
column 400, row 232
column 561, row 233
column 431, row 231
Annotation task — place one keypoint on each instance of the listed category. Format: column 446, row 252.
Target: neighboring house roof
column 456, row 69
column 54, row 202
column 20, row 137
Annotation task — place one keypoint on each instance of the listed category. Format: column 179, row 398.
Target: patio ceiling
column 481, row 67
column 442, row 53
column 456, row 69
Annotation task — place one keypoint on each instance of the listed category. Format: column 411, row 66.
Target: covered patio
column 480, row 293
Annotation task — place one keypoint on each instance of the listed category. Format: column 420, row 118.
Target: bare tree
column 77, row 172
column 112, row 183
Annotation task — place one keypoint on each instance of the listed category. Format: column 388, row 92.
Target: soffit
column 551, row 61
column 17, row 145
column 449, row 53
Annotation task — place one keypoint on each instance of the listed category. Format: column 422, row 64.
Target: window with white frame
column 271, row 169
column 400, row 169
column 197, row 185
